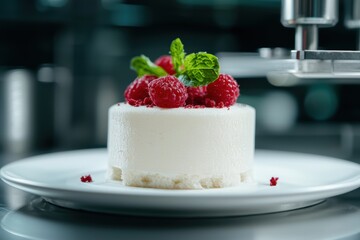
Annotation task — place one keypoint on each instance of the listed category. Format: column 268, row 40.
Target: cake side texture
column 181, row 148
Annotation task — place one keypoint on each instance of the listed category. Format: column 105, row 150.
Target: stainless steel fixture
column 352, row 17
column 306, row 16
column 311, row 64
column 307, row 64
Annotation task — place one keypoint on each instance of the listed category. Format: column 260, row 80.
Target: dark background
column 77, row 55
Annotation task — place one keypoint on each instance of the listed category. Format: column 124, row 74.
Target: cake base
column 184, row 181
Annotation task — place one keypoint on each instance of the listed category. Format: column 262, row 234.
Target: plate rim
column 350, row 183
column 179, row 203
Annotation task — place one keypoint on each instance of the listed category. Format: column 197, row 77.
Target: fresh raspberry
column 168, row 92
column 273, row 181
column 137, row 93
column 86, row 178
column 223, row 91
column 166, row 63
column 196, row 95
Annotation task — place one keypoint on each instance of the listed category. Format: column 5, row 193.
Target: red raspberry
column 166, row 63
column 86, row 178
column 168, row 92
column 223, row 91
column 273, row 181
column 196, row 95
column 137, row 93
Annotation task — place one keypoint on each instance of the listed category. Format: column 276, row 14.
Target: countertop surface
column 26, row 216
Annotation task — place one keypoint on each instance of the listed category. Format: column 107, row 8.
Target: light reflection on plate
column 43, row 221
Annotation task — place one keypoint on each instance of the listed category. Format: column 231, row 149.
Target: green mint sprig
column 195, row 69
column 200, row 69
column 143, row 65
column 177, row 55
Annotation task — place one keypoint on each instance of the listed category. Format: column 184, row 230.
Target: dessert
column 181, row 128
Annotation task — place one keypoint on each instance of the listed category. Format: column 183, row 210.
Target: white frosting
column 205, row 143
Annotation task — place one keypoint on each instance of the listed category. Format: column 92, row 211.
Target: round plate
column 304, row 180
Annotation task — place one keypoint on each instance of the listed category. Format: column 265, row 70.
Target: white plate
column 304, row 180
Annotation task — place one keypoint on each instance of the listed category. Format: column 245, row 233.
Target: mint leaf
column 143, row 65
column 177, row 54
column 200, row 69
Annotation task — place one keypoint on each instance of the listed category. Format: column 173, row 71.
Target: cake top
column 240, row 108
column 181, row 80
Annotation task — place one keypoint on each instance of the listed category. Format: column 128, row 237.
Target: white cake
column 181, row 148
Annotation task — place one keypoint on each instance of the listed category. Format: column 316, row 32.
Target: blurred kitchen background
column 64, row 62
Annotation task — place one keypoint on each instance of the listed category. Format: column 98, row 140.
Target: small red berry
column 166, row 63
column 86, row 178
column 196, row 95
column 168, row 92
column 224, row 91
column 273, row 181
column 137, row 93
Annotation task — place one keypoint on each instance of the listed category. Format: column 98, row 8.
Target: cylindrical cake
column 181, row 148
